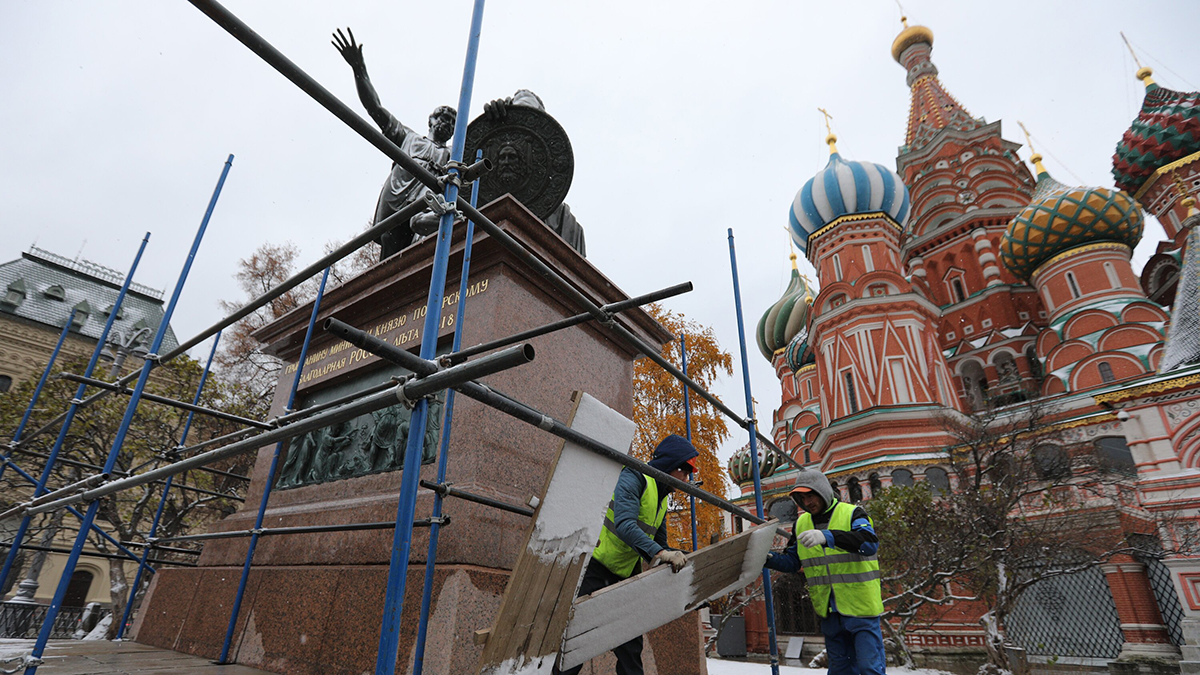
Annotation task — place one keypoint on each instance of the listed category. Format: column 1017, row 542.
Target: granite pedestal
column 314, row 601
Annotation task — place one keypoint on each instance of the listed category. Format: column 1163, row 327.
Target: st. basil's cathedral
column 962, row 282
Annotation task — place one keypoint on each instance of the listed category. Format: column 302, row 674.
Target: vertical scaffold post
column 162, row 502
column 135, row 398
column 687, row 426
column 262, row 505
column 37, row 392
column 40, row 485
column 758, row 500
column 393, row 603
column 444, row 451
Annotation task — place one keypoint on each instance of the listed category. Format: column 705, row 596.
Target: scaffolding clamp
column 439, row 520
column 439, row 205
column 402, row 396
column 76, row 401
column 258, row 531
column 152, row 356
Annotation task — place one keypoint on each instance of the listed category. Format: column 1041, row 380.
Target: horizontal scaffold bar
column 298, row 529
column 446, row 491
column 612, row 308
column 97, row 554
column 228, row 417
column 408, row 391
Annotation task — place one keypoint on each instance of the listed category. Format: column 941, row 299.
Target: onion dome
column 910, row 36
column 1059, row 218
column 843, row 188
column 797, row 355
column 1167, row 128
column 742, row 471
column 785, row 318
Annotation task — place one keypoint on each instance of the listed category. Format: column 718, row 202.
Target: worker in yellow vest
column 834, row 543
column 635, row 530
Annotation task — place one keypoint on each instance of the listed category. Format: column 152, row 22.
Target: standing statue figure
column 402, row 188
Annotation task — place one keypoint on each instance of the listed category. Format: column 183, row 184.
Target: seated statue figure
column 401, row 188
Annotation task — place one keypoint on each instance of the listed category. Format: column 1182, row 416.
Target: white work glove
column 676, row 559
column 810, row 538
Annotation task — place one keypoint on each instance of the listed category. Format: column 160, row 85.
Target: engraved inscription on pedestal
column 370, row 443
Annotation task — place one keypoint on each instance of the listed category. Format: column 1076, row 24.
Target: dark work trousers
column 854, row 645
column 629, row 655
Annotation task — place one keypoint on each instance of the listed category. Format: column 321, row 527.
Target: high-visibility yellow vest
column 852, row 578
column 621, row 558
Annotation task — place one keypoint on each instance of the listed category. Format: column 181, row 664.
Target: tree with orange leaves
column 658, row 411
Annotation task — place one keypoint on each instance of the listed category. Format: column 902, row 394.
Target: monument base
column 314, row 601
column 323, row 620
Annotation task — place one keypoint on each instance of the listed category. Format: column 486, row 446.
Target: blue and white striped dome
column 843, row 188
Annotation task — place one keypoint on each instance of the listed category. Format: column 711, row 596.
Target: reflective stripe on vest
column 621, row 558
column 853, row 579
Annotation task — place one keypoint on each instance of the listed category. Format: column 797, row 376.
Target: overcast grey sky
column 686, row 118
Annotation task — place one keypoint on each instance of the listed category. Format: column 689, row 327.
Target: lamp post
column 123, row 343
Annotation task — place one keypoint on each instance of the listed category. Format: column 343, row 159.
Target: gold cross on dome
column 827, row 118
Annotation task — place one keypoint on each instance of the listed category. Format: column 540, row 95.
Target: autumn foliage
column 658, row 411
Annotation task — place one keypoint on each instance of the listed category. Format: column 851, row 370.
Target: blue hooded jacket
column 671, row 453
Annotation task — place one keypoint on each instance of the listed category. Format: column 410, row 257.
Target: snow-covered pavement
column 724, row 667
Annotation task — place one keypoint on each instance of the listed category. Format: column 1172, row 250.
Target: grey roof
column 85, row 285
column 1183, row 340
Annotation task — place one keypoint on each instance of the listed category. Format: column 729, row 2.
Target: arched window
column 1073, row 285
column 784, row 509
column 854, row 490
column 1051, row 462
column 876, row 484
column 1106, row 373
column 975, row 385
column 5, row 383
column 1113, row 454
column 938, row 480
column 1035, row 364
column 902, row 477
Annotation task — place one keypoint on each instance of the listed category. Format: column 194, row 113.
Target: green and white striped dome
column 784, row 319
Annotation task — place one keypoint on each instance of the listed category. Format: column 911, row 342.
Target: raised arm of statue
column 351, row 51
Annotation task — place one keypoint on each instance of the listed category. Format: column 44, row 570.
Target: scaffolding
column 457, row 372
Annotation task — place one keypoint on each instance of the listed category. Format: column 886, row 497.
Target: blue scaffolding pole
column 37, row 392
column 89, row 517
column 687, row 427
column 444, row 451
column 262, row 505
column 162, row 502
column 393, row 604
column 40, row 484
column 753, row 429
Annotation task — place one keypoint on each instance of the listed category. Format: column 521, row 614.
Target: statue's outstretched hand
column 349, row 49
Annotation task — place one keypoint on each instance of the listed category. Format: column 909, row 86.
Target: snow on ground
column 10, row 647
column 728, row 667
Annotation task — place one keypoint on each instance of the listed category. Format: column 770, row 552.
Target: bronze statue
column 402, row 188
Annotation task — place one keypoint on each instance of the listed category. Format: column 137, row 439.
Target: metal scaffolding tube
column 445, row 490
column 410, row 390
column 611, row 308
column 266, row 495
column 162, row 501
column 93, row 554
column 444, row 450
column 191, row 407
column 307, row 412
column 768, row 595
column 168, row 549
column 126, row 474
column 95, row 528
column 297, row 529
column 687, row 430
